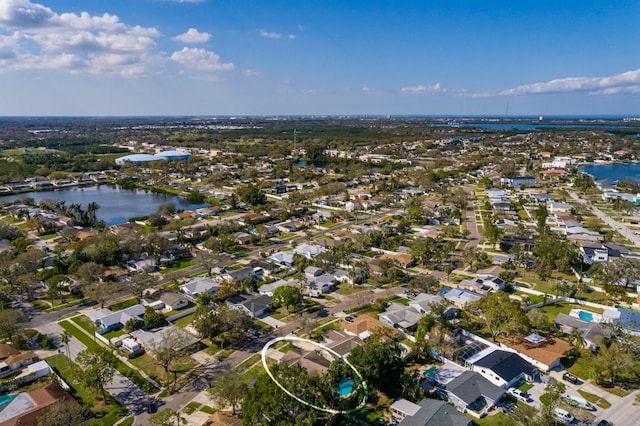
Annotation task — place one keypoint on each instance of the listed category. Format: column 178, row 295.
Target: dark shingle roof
column 505, row 364
column 434, row 412
column 470, row 385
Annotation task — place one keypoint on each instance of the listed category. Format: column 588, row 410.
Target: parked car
column 350, row 318
column 570, row 378
column 563, row 416
column 509, row 407
column 603, row 423
column 519, row 395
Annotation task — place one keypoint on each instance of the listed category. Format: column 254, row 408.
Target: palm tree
column 65, row 338
column 577, row 339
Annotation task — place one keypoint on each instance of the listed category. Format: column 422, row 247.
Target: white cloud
column 200, row 59
column 84, row 43
column 415, row 90
column 268, row 34
column 24, row 14
column 368, row 89
column 251, row 73
column 626, row 82
column 193, row 36
column 291, row 36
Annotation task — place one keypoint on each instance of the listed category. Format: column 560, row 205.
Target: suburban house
column 16, row 362
column 435, row 412
column 518, row 181
column 106, row 320
column 145, row 264
column 591, row 331
column 505, row 369
column 543, row 352
column 321, row 284
column 309, row 360
column 268, row 289
column 483, row 284
column 471, row 393
column 262, row 267
column 151, row 339
column 402, row 408
column 364, row 325
column 603, row 252
column 165, row 300
column 282, row 258
column 195, row 286
column 460, row 297
column 238, row 275
column 309, row 250
column 400, row 316
column 254, row 306
column 341, row 343
column 423, row 303
column 26, row 407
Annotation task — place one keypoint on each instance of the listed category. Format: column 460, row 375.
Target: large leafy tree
column 266, row 403
column 98, row 368
column 501, row 315
column 228, row 389
column 62, row 413
column 11, row 322
column 252, row 195
column 287, row 296
column 380, row 363
column 221, row 323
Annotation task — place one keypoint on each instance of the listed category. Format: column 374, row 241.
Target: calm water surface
column 117, row 205
column 613, row 172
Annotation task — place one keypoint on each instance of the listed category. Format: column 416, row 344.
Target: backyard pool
column 346, row 387
column 586, row 315
column 5, row 399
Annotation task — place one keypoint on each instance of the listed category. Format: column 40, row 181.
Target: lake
column 530, row 127
column 613, row 172
column 117, row 205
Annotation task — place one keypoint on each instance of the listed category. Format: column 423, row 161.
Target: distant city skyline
column 226, row 57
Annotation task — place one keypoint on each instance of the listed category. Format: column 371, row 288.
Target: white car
column 563, row 416
column 519, row 395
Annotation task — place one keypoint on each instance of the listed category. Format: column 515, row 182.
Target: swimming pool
column 584, row 315
column 346, row 387
column 5, row 399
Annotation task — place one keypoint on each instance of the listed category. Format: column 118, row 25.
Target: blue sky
column 236, row 57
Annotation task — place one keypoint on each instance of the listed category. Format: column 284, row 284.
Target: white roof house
column 195, row 286
column 309, row 250
column 107, row 320
column 268, row 289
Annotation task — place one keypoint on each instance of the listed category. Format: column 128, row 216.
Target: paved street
column 618, row 226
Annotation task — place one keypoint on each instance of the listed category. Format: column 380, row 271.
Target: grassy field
column 346, row 289
column 123, row 304
column 499, row 419
column 185, row 321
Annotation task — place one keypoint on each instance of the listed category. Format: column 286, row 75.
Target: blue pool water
column 586, row 316
column 5, row 399
column 345, row 388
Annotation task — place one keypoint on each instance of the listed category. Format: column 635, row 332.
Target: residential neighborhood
column 439, row 278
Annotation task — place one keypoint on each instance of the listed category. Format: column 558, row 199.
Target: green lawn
column 346, row 289
column 128, row 421
column 207, row 409
column 595, row 399
column 127, row 371
column 185, row 321
column 84, row 322
column 525, row 387
column 147, row 364
column 102, row 414
column 192, row 407
column 177, row 265
column 499, row 419
column 553, row 310
column 123, row 304
column 113, row 333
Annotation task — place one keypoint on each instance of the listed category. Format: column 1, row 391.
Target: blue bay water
column 613, row 172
